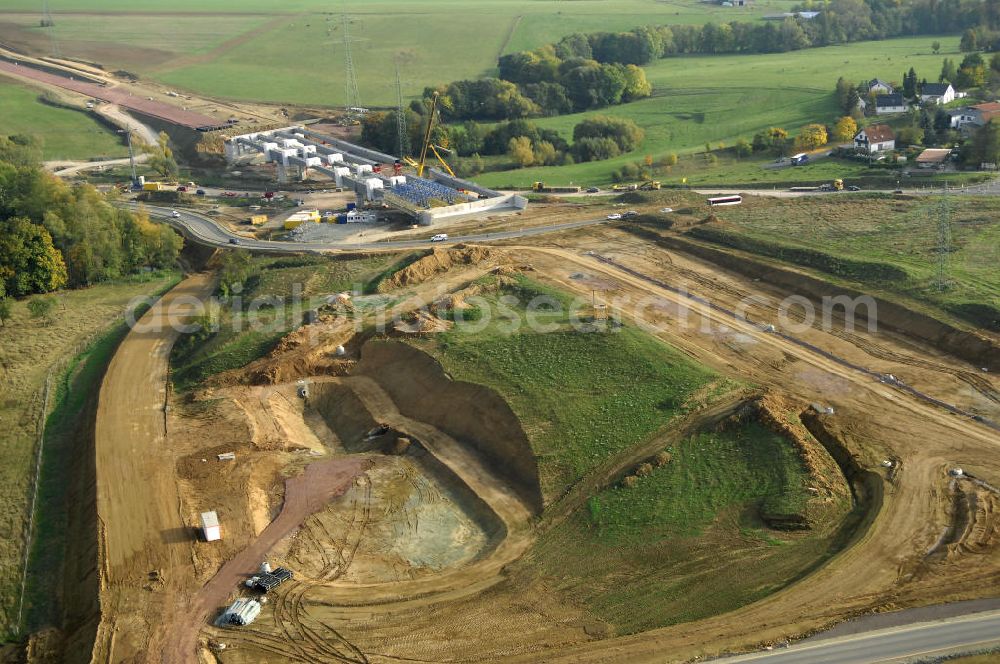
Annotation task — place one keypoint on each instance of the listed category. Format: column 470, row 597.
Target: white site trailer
column 210, row 526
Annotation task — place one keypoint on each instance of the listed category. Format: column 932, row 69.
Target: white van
column 441, row 237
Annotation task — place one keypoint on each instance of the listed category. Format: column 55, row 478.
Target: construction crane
column 428, row 145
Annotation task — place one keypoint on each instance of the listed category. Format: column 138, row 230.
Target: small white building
column 937, row 93
column 210, row 526
column 875, row 138
column 879, row 87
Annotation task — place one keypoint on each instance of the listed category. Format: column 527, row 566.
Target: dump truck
column 651, row 185
column 625, row 187
column 540, row 188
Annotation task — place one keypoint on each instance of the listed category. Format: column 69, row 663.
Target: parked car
column 175, row 214
column 200, row 192
column 593, row 190
column 440, row 237
column 182, row 188
column 614, row 216
column 630, row 213
column 233, row 240
column 853, row 187
column 666, row 210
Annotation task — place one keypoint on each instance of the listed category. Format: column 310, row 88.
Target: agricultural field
column 29, row 347
column 253, row 51
column 699, row 100
column 582, row 397
column 66, row 134
column 687, row 541
column 899, row 233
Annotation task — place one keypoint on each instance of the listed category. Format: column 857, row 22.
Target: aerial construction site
column 491, row 376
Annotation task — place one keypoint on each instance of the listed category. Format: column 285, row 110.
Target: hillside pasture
column 67, row 134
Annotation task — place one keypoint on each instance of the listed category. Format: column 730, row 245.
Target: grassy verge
column 28, row 348
column 581, row 396
column 67, row 428
column 881, row 242
column 687, row 541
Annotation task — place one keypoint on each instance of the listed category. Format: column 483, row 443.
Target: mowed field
column 67, row 134
column 718, row 99
column 292, row 52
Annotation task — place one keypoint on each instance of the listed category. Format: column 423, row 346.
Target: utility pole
column 402, row 136
column 353, row 97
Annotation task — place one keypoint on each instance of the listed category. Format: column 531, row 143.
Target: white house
column 879, row 87
column 970, row 117
column 937, row 93
column 875, row 138
column 887, row 104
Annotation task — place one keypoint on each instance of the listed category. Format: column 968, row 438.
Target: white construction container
column 306, row 150
column 210, row 529
column 397, row 179
column 313, row 161
column 362, row 168
column 335, row 158
column 290, row 143
column 270, row 145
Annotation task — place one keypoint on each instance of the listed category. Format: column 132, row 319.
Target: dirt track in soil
column 305, row 494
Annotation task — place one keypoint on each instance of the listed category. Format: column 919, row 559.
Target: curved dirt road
column 143, row 538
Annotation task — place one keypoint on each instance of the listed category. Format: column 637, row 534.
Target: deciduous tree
column 845, row 129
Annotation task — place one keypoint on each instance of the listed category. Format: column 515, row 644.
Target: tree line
column 53, row 235
column 595, row 138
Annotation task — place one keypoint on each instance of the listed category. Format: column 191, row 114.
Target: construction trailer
column 210, row 529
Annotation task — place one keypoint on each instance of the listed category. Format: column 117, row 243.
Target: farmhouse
column 875, row 138
column 886, row 104
column 937, row 93
column 879, row 87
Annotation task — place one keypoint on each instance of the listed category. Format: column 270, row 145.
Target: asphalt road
column 204, row 230
column 913, row 642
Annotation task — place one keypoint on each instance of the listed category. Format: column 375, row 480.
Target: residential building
column 972, row 117
column 937, row 93
column 875, row 138
column 887, row 104
column 879, row 87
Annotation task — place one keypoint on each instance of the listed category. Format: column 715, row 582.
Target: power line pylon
column 353, row 97
column 402, row 135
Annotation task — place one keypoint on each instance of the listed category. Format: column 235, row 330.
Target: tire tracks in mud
column 978, row 383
